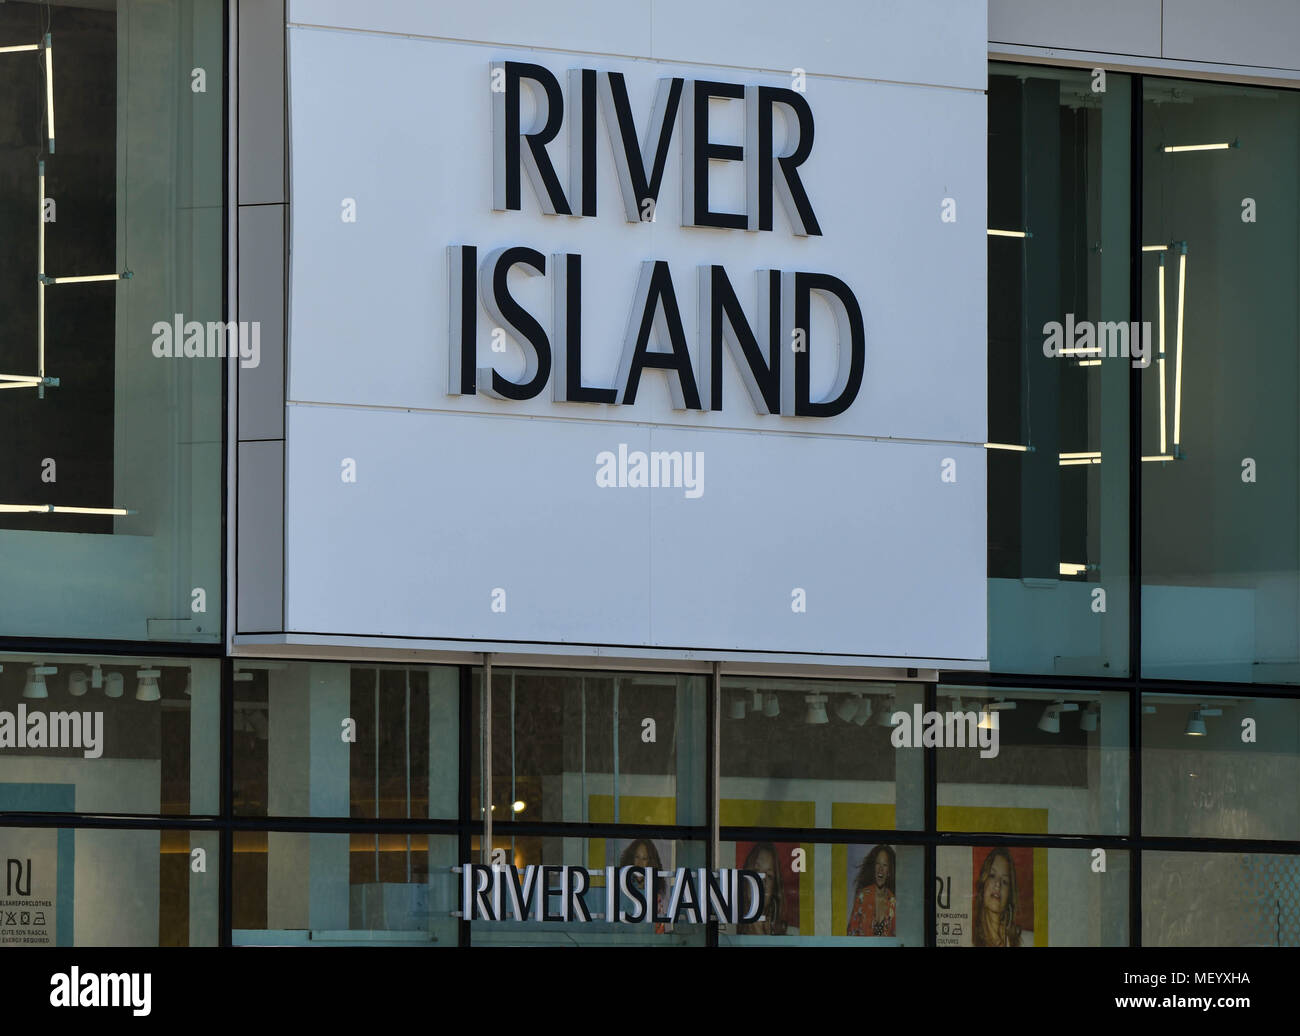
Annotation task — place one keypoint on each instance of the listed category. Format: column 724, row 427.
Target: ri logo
column 14, row 878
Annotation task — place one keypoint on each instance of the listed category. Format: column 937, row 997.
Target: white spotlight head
column 146, row 688
column 1195, row 723
column 737, row 709
column 816, row 713
column 771, row 707
column 113, row 685
column 848, row 707
column 35, row 686
column 77, row 683
column 1050, row 723
column 864, row 711
column 1088, row 720
column 886, row 716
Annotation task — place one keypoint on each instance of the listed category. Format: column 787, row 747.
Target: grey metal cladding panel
column 1114, row 26
column 1246, row 32
column 259, row 606
column 261, row 299
column 261, row 102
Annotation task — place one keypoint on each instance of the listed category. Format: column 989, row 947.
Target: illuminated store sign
column 552, row 893
column 771, row 353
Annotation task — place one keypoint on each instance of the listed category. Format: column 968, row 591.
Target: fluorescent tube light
column 1008, row 233
column 1155, row 248
column 86, row 280
column 49, row 88
column 1178, row 352
column 1223, row 146
column 1014, row 447
column 1072, row 570
column 1160, row 358
column 15, row 50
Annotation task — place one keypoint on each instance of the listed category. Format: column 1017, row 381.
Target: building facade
column 837, row 448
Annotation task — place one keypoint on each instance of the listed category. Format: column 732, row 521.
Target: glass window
column 1220, row 899
column 817, row 753
column 635, row 849
column 1215, row 767
column 1031, row 896
column 340, row 889
column 841, row 894
column 1221, row 454
column 326, row 739
column 1056, row 762
column 100, row 887
column 604, row 748
column 99, row 734
column 1060, row 354
column 110, row 491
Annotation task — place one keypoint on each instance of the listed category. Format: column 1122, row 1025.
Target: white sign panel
column 603, row 352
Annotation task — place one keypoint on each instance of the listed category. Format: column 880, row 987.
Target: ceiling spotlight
column 96, row 677
column 848, row 707
column 1050, row 723
column 188, row 675
column 989, row 714
column 146, row 689
column 771, row 707
column 35, row 686
column 757, row 704
column 1148, row 710
column 113, row 685
column 1196, row 720
column 1088, row 719
column 737, row 708
column 518, row 806
column 886, row 716
column 77, row 683
column 816, row 713
column 864, row 711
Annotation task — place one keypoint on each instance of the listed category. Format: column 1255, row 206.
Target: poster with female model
column 985, row 896
column 873, row 900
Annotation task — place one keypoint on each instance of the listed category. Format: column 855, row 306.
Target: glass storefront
column 111, row 481
column 1060, row 354
column 1140, row 716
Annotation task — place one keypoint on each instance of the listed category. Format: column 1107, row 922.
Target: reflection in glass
column 1215, row 766
column 842, row 894
column 109, row 734
column 328, row 739
column 1058, row 763
column 817, row 753
column 1220, row 899
column 101, row 887
column 110, row 490
column 1220, row 518
column 1020, row 896
column 293, row 888
column 1060, row 355
column 623, row 748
